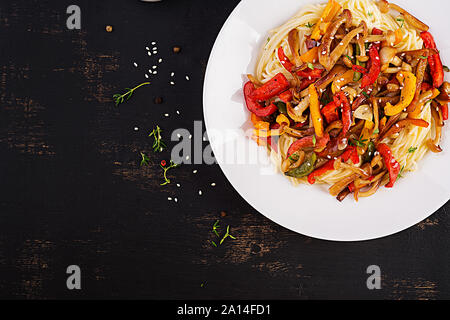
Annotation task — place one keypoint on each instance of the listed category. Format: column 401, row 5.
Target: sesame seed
column 147, row 48
column 153, row 43
column 146, row 75
column 149, row 53
column 178, row 112
column 155, row 72
column 178, row 135
column 135, row 64
column 187, row 78
column 172, row 74
column 199, row 192
column 169, row 198
column 160, row 60
column 176, row 200
column 195, row 171
column 166, row 114
column 213, row 184
column 154, row 67
column 187, row 157
column 136, row 128
column 172, row 83
column 178, row 185
column 190, row 136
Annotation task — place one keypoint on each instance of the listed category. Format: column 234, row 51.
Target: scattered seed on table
column 136, row 128
column 154, row 67
column 176, row 200
column 200, row 192
column 153, row 43
column 187, row 157
column 109, row 28
column 190, row 136
column 178, row 112
column 187, row 78
column 178, row 185
column 213, row 184
column 146, row 75
column 178, row 135
column 135, row 64
column 172, row 74
column 169, row 198
column 176, row 49
column 195, row 171
column 166, row 114
column 155, row 72
column 160, row 60
column 172, row 83
column 149, row 53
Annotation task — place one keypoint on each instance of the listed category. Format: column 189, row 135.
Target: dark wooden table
column 73, row 191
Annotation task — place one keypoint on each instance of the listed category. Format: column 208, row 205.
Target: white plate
column 310, row 210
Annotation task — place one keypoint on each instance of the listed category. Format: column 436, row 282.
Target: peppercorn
column 158, row 100
column 109, row 28
column 176, row 49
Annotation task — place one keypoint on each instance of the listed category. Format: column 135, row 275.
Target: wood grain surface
column 73, row 192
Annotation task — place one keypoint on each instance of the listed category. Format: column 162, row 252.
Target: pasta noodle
column 412, row 137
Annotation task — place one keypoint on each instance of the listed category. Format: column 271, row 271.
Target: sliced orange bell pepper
column 314, row 107
column 365, row 135
column 311, row 56
column 327, row 16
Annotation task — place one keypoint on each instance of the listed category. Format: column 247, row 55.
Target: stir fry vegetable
column 345, row 94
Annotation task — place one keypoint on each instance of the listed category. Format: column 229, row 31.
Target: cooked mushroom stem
column 410, row 18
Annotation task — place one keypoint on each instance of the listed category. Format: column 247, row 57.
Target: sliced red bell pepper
column 341, row 99
column 444, row 110
column 350, row 153
column 391, row 164
column 285, row 62
column 328, row 166
column 330, row 112
column 308, row 142
column 253, row 105
column 286, row 96
column 425, row 86
column 435, row 62
column 310, row 73
column 376, row 31
column 271, row 88
column 374, row 70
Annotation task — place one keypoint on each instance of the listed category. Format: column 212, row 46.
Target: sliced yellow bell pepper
column 409, row 89
column 254, row 118
column 311, row 56
column 314, row 108
column 282, row 119
column 327, row 16
column 415, row 114
column 347, row 77
column 262, row 125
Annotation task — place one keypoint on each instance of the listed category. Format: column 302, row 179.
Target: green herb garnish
column 376, row 131
column 158, row 144
column 359, row 143
column 314, row 140
column 309, row 25
column 422, row 57
column 412, row 149
column 402, row 21
column 215, row 228
column 121, row 98
column 172, row 165
column 310, row 65
column 227, row 234
column 366, row 94
column 370, row 14
column 400, row 173
column 145, row 159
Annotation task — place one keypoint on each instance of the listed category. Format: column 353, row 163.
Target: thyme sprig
column 121, row 98
column 158, row 144
column 145, row 159
column 227, row 234
column 172, row 165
